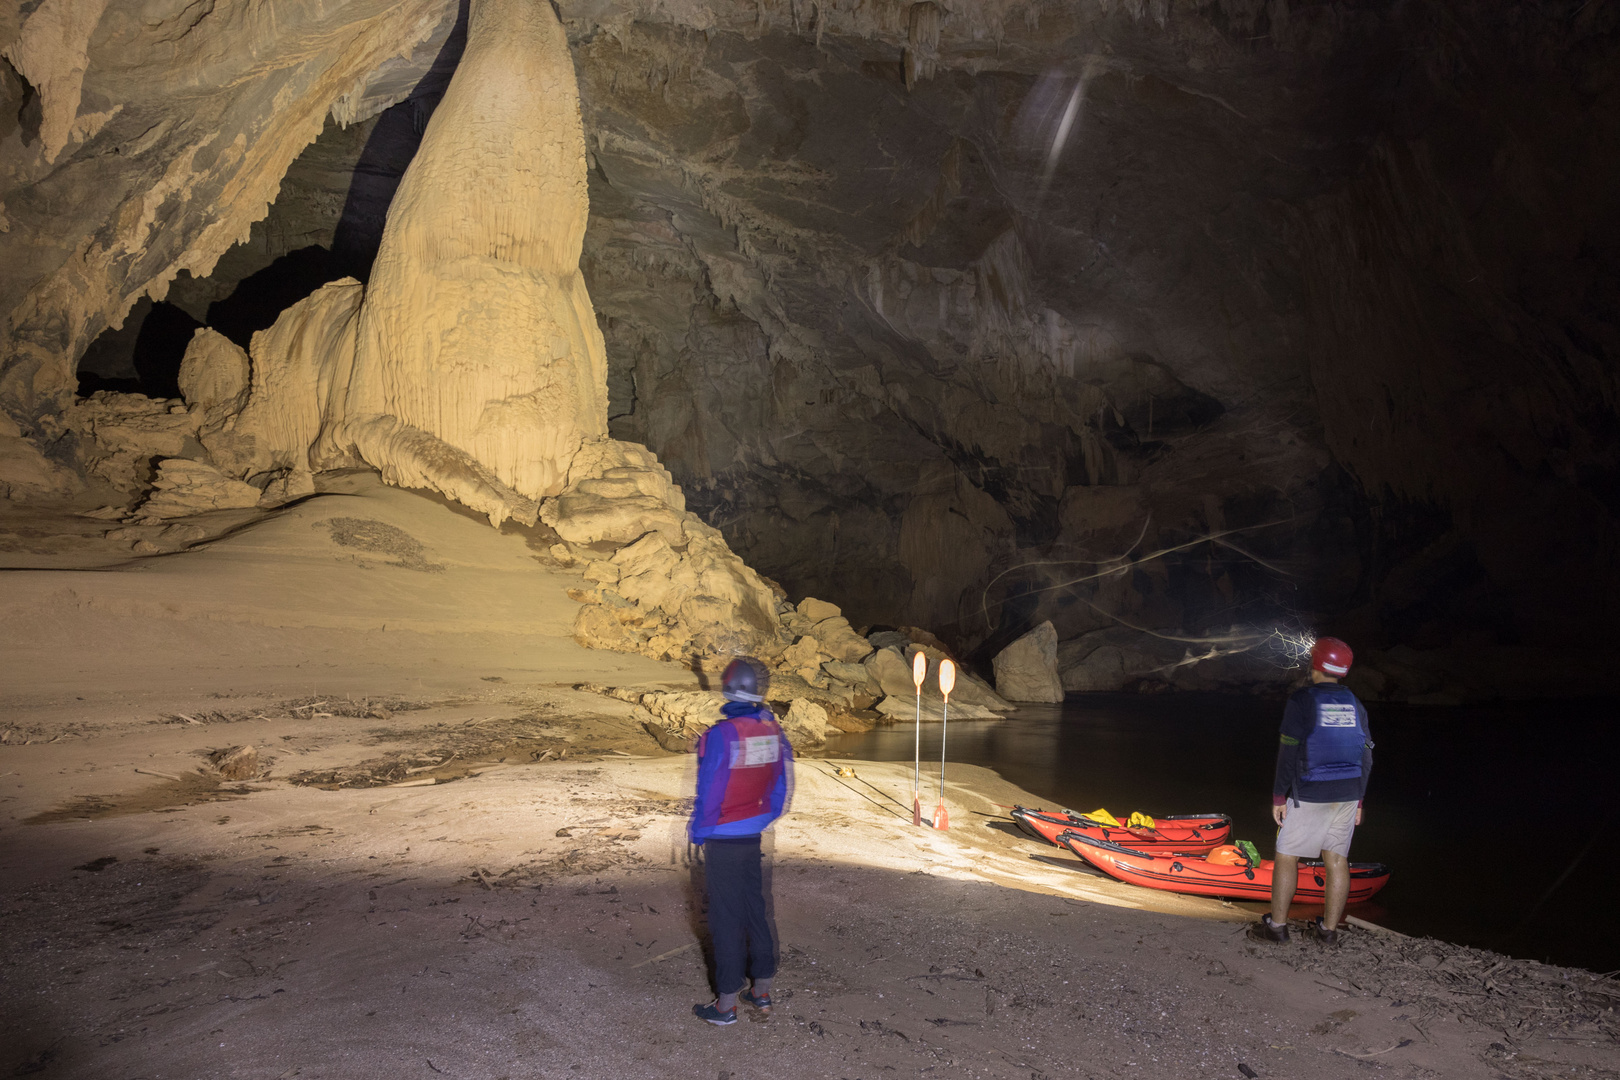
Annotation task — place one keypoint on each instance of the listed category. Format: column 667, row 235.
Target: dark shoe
column 713, row 1015
column 762, row 1002
column 1266, row 930
column 1323, row 934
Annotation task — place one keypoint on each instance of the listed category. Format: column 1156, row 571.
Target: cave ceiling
column 907, row 296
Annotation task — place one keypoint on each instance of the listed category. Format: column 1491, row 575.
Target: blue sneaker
column 762, row 1002
column 713, row 1015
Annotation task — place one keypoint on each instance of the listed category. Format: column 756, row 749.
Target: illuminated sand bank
column 447, row 861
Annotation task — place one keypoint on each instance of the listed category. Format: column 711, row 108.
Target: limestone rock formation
column 476, row 327
column 840, row 641
column 618, row 492
column 471, row 363
column 214, row 373
column 299, row 367
column 889, row 668
column 817, row 611
column 1027, row 669
column 121, row 435
column 667, row 584
column 184, row 488
column 1113, row 659
column 902, row 710
column 27, row 473
column 159, row 132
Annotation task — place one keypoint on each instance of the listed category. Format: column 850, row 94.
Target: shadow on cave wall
column 143, row 355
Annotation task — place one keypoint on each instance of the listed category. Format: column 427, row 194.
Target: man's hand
column 1280, row 811
column 1359, row 812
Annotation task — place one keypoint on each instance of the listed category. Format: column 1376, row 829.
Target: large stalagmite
column 476, row 329
column 473, row 365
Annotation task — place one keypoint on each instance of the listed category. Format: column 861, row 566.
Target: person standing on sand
column 1323, row 762
column 745, row 778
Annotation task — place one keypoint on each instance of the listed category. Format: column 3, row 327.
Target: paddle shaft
column 916, row 758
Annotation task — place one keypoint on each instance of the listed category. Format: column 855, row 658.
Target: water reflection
column 1482, row 812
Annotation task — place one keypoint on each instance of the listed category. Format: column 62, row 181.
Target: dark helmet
column 746, row 679
column 1332, row 657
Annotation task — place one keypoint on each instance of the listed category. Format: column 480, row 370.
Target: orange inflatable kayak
column 1196, row 833
column 1225, row 871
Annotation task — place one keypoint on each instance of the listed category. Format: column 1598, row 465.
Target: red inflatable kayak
column 1226, row 871
column 1196, row 833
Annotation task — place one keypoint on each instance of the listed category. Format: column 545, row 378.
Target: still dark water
column 1501, row 823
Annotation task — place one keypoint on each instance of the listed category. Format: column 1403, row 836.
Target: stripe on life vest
column 1336, row 714
column 754, row 751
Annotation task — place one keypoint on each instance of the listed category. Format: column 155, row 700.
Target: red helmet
column 1332, row 657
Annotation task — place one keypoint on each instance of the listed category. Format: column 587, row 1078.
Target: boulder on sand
column 805, row 723
column 1027, row 669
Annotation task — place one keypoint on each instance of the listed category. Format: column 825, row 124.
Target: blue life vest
column 1333, row 748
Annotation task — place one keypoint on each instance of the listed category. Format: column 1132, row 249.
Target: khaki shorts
column 1314, row 827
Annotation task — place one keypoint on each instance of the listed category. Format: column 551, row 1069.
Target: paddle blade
column 942, row 820
column 919, row 669
column 947, row 677
column 916, row 811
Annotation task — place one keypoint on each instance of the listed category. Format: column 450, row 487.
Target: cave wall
column 149, row 137
column 935, row 312
column 1465, row 329
column 888, row 356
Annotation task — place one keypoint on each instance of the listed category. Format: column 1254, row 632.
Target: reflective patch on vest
column 1335, row 715
column 754, row 751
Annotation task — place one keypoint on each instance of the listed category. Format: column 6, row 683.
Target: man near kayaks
column 745, row 774
column 1324, row 757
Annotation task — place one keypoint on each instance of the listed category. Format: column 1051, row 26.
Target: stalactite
column 922, row 42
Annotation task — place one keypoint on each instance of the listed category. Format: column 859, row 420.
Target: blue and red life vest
column 743, row 764
column 1332, row 750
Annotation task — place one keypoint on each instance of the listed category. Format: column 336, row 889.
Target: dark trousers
column 738, row 921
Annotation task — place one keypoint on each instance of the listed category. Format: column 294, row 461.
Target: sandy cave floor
column 528, row 906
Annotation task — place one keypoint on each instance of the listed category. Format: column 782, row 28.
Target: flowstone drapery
column 476, row 327
column 471, row 363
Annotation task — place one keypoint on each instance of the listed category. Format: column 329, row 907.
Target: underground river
column 1484, row 851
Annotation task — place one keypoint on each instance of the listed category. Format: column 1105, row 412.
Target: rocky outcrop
column 187, row 488
column 298, row 366
column 25, row 472
column 1110, row 659
column 1027, row 669
column 666, row 584
column 890, row 668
